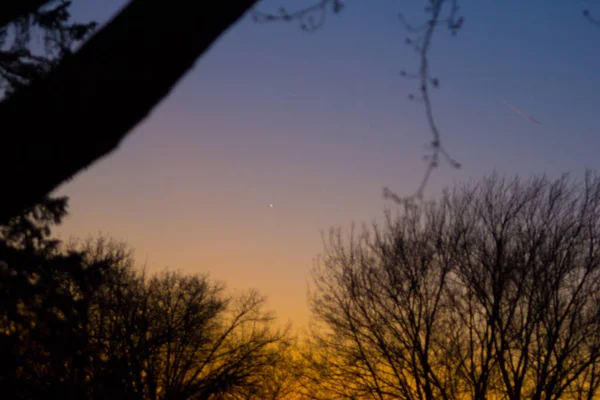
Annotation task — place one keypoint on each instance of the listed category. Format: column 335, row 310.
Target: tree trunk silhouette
column 84, row 107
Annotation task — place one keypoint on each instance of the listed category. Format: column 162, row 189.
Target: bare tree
column 278, row 381
column 490, row 292
column 176, row 336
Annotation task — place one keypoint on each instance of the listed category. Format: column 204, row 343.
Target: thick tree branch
column 80, row 112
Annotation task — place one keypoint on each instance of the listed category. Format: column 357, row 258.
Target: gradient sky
column 318, row 123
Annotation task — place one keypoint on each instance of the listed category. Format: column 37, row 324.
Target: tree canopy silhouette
column 80, row 321
column 45, row 294
column 174, row 336
column 492, row 292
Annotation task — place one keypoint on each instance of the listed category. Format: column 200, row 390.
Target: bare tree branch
column 311, row 18
column 422, row 45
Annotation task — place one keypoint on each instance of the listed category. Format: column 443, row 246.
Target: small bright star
column 271, row 205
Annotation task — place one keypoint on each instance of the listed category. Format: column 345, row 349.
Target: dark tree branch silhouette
column 422, row 45
column 311, row 18
column 83, row 108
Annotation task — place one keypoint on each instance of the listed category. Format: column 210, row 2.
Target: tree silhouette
column 44, row 291
column 174, row 336
column 492, row 292
column 79, row 321
column 279, row 381
column 44, row 299
column 20, row 62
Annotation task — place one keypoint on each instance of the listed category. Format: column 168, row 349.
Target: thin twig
column 306, row 15
column 589, row 17
column 422, row 45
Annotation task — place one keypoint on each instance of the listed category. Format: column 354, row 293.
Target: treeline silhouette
column 79, row 321
column 490, row 292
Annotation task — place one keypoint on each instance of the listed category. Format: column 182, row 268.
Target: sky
column 316, row 124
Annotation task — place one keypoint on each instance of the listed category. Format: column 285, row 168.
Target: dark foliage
column 44, row 302
column 21, row 63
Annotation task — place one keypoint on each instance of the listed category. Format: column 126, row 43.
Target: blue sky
column 318, row 123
